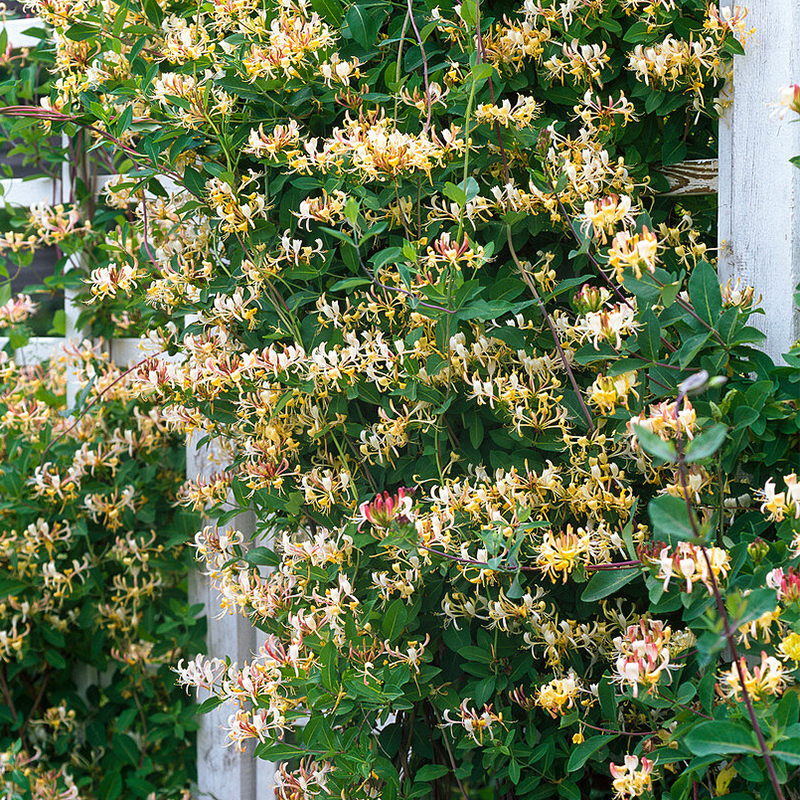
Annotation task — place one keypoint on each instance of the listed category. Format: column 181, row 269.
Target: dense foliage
column 523, row 478
column 93, row 574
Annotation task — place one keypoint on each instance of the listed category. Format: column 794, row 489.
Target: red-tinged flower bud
column 386, row 509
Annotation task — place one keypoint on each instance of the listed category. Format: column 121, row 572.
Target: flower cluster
column 88, row 550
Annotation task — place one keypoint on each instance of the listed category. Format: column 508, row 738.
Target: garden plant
column 528, row 518
column 93, row 573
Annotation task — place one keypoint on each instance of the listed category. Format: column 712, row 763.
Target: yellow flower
column 790, row 647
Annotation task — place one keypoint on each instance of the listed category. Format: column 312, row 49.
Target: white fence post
column 759, row 190
column 223, row 773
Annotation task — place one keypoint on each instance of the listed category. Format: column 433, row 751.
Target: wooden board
column 759, row 190
column 18, row 35
column 700, row 176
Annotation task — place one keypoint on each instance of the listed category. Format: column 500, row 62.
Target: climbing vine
column 527, row 521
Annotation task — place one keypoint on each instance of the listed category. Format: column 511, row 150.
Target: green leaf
column 756, row 604
column 262, row 556
column 329, row 673
column 349, row 283
column 431, row 772
column 690, row 348
column 124, row 744
column 669, row 293
column 649, row 337
column 319, row 734
column 55, row 659
column 111, row 786
column 788, row 750
column 277, row 751
column 209, row 704
column 581, row 753
column 707, row 443
column 654, row 445
column 59, row 323
column 193, row 181
column 394, row 620
column 744, row 417
column 717, row 738
column 469, row 13
column 608, row 699
column 363, row 24
column 606, row 582
column 788, row 710
column 455, row 193
column 330, row 10
column 670, row 518
column 705, row 293
column 80, row 32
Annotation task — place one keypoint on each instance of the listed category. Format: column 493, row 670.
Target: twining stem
column 424, row 64
column 467, row 116
column 720, row 603
column 7, row 692
column 550, row 324
column 525, row 276
column 99, row 395
column 453, row 765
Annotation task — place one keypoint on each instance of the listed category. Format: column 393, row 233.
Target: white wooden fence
column 759, row 230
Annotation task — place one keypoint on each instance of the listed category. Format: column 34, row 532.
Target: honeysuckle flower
column 387, row 509
column 789, row 99
column 687, row 562
column 17, row 310
column 789, row 647
column 777, row 505
column 643, row 655
column 476, row 723
column 558, row 695
column 631, row 780
column 768, row 679
column 637, row 252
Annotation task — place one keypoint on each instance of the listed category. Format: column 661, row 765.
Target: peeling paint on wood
column 759, row 190
column 692, row 177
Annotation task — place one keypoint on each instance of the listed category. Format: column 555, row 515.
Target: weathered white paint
column 21, row 192
column 38, row 349
column 17, row 30
column 759, row 190
column 222, row 772
column 700, row 176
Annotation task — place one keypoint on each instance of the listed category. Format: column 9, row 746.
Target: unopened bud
column 757, row 550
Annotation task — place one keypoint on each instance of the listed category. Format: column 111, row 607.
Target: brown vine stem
column 617, row 732
column 550, row 324
column 55, row 116
column 453, row 765
column 525, row 277
column 424, row 65
column 720, row 603
column 7, row 692
column 94, row 400
column 612, row 566
column 37, row 702
column 145, row 232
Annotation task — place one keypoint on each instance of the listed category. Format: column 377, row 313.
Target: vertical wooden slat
column 759, row 190
column 222, row 772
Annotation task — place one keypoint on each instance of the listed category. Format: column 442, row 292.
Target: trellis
column 759, row 238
